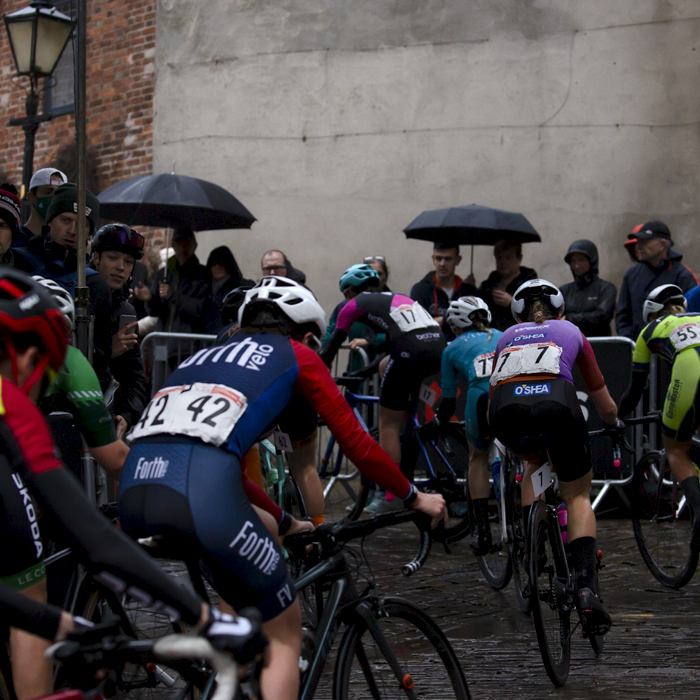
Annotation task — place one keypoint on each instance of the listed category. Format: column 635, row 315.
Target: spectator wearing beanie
column 10, row 208
column 54, row 255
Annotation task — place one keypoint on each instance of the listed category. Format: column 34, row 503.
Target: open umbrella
column 471, row 225
column 173, row 200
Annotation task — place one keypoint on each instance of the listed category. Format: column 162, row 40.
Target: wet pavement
column 652, row 651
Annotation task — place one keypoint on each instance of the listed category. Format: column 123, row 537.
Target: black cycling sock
column 481, row 511
column 691, row 489
column 583, row 558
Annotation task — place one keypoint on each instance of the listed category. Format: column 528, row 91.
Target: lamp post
column 38, row 34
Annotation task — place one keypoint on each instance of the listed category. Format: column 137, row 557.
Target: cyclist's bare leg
column 302, row 464
column 31, row 673
column 390, row 422
column 479, row 472
column 679, row 461
column 280, row 678
column 577, row 496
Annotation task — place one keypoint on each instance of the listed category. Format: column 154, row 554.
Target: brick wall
column 120, row 84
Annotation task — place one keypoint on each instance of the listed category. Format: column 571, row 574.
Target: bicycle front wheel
column 423, row 659
column 496, row 566
column 549, row 576
column 662, row 522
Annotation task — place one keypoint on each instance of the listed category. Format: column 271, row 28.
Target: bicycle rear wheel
column 496, row 566
column 428, row 664
column 662, row 522
column 549, row 577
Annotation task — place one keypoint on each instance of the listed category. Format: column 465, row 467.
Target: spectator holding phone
column 115, row 249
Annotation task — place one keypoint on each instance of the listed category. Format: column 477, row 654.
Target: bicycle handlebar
column 330, row 537
column 113, row 652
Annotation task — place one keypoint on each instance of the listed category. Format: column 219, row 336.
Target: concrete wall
column 337, row 123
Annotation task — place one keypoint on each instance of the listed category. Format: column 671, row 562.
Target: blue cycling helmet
column 357, row 275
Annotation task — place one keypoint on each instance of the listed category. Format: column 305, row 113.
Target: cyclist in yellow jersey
column 675, row 337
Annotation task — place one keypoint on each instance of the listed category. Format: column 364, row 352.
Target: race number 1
column 541, row 479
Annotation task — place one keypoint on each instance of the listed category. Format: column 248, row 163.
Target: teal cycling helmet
column 358, row 275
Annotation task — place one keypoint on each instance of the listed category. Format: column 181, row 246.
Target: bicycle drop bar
column 330, row 537
column 618, row 438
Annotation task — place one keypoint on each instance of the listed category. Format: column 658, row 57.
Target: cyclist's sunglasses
column 374, row 258
column 124, row 236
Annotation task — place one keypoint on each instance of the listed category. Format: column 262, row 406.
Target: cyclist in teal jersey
column 470, row 356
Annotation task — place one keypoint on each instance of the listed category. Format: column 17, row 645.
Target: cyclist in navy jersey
column 182, row 478
column 534, row 405
column 415, row 346
column 33, row 342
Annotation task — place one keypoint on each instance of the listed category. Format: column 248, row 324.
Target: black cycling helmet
column 228, row 312
column 528, row 292
column 119, row 237
column 28, row 309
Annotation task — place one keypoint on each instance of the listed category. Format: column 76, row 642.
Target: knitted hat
column 10, row 207
column 65, row 198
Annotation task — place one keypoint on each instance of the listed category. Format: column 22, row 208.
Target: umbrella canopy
column 173, row 200
column 471, row 225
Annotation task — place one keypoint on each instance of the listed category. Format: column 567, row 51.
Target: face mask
column 42, row 205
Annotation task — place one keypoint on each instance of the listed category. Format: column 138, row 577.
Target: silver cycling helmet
column 530, row 291
column 294, row 300
column 62, row 297
column 465, row 311
column 660, row 296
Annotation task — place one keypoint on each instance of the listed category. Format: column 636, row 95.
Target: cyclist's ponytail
column 483, row 327
column 541, row 311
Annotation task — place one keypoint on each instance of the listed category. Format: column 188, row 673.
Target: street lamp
column 37, row 34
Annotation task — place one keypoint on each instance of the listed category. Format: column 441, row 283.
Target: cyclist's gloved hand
column 444, row 414
column 241, row 636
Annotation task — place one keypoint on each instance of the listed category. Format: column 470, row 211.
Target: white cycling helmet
column 294, row 300
column 465, row 311
column 531, row 290
column 62, row 297
column 660, row 296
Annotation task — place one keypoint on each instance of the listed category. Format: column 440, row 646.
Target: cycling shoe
column 594, row 615
column 481, row 542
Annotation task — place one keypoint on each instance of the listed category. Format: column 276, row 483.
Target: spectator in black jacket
column 115, row 249
column 657, row 265
column 437, row 289
column 589, row 302
column 179, row 293
column 54, row 255
column 275, row 262
column 224, row 275
column 498, row 289
column 10, row 208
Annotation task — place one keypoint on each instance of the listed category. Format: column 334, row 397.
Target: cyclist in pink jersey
column 534, row 407
column 415, row 346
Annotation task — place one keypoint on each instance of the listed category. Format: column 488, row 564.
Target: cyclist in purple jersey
column 415, row 346
column 534, row 408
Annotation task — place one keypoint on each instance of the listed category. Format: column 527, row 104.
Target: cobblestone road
column 652, row 651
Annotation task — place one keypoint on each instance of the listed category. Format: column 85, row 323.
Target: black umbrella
column 173, row 200
column 471, row 225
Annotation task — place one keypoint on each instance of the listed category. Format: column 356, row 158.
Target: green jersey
column 76, row 390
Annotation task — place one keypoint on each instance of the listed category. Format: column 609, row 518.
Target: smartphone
column 126, row 319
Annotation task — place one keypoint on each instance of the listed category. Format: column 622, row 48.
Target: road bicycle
column 553, row 592
column 428, row 452
column 390, row 648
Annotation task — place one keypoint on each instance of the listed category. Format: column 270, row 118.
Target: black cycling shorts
column 528, row 416
column 192, row 495
column 299, row 421
column 412, row 360
column 21, row 551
